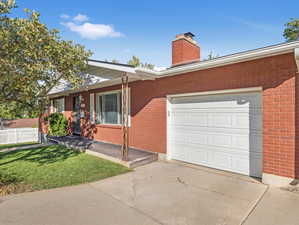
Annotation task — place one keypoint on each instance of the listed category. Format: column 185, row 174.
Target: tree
column 12, row 110
column 291, row 32
column 114, row 61
column 211, row 56
column 135, row 61
column 34, row 59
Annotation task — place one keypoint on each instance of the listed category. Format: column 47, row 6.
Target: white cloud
column 92, row 31
column 80, row 18
column 64, row 16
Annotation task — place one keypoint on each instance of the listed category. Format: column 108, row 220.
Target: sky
column 120, row 29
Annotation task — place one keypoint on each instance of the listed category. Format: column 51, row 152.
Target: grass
column 16, row 145
column 50, row 167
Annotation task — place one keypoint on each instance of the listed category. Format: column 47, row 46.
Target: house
column 236, row 113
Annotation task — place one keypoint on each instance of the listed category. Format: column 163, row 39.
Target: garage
column 222, row 130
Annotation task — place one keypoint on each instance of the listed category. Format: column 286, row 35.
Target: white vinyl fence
column 18, row 135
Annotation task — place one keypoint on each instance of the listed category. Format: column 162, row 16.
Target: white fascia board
column 120, row 68
column 103, row 84
column 145, row 74
column 231, row 59
column 138, row 73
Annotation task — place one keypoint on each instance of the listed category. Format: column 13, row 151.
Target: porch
column 112, row 152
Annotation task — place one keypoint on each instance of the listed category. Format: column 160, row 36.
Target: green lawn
column 50, row 167
column 16, row 145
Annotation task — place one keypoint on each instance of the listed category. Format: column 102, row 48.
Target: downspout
column 296, row 55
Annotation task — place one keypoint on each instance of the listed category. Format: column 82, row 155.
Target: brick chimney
column 184, row 49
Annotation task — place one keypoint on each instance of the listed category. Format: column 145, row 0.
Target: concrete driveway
column 158, row 193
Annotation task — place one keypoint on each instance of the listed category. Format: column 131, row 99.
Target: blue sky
column 120, row 29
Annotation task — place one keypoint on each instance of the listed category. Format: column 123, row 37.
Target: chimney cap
column 189, row 34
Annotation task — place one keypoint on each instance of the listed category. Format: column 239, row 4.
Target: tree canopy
column 13, row 110
column 135, row 61
column 291, row 32
column 210, row 56
column 33, row 59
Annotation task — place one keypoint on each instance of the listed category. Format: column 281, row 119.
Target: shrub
column 6, row 179
column 57, row 124
column 10, row 184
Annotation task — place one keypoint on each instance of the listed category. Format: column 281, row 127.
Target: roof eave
column 107, row 83
column 110, row 66
column 231, row 59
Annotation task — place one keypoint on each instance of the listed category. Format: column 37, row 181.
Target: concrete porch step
column 75, row 142
column 136, row 157
column 130, row 163
column 112, row 152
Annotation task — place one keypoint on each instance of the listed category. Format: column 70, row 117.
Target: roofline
column 112, row 63
column 258, row 53
column 113, row 66
column 233, row 58
column 146, row 74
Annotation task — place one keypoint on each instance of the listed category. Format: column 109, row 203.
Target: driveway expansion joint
column 257, row 202
column 128, row 205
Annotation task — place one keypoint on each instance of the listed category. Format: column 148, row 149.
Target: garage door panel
column 195, row 147
column 235, row 141
column 190, row 118
column 219, row 131
column 179, row 129
column 220, row 120
column 226, row 120
column 219, row 101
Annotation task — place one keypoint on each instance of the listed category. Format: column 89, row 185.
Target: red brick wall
column 275, row 74
column 184, row 51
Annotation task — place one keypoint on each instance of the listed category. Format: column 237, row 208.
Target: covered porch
column 99, row 76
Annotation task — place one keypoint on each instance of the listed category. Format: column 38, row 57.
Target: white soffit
column 112, row 66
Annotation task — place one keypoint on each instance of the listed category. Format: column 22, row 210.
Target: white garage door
column 222, row 131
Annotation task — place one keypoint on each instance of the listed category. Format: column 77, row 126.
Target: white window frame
column 52, row 107
column 92, row 108
column 99, row 107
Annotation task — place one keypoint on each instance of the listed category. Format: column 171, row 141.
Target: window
column 108, row 108
column 91, row 107
column 58, row 105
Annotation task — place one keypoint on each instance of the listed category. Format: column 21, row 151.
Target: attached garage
column 222, row 130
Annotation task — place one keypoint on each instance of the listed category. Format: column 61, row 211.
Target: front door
column 76, row 115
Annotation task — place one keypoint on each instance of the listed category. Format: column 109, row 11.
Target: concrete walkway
column 158, row 193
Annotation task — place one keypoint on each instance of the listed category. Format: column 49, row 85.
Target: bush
column 10, row 184
column 57, row 124
column 6, row 179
